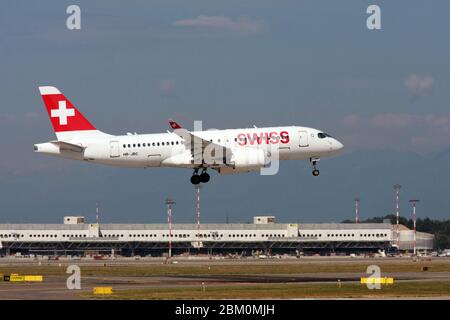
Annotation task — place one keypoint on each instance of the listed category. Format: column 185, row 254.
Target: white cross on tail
column 62, row 112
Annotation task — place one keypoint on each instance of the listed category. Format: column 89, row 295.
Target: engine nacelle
column 246, row 160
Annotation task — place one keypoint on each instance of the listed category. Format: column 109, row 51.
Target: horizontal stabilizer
column 68, row 146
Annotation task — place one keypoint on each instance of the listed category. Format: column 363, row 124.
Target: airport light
column 97, row 219
column 414, row 201
column 170, row 203
column 397, row 188
column 357, row 200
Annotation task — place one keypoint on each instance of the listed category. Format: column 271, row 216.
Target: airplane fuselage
column 168, row 149
column 226, row 151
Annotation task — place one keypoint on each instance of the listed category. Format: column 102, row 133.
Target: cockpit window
column 322, row 135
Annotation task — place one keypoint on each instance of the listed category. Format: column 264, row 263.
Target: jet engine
column 245, row 160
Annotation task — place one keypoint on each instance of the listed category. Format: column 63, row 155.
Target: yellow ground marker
column 14, row 277
column 377, row 280
column 34, row 278
column 102, row 290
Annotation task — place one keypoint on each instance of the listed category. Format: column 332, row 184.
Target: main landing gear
column 197, row 178
column 315, row 171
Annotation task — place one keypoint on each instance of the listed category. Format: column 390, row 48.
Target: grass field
column 206, row 269
column 232, row 279
column 287, row 291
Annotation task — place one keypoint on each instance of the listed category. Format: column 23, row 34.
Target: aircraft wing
column 68, row 146
column 198, row 146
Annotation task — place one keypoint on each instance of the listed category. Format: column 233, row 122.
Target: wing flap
column 199, row 146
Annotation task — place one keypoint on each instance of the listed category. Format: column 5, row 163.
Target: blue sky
column 383, row 93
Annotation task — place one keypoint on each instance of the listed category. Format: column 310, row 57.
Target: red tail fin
column 62, row 113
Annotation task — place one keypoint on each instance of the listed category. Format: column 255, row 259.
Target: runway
column 136, row 277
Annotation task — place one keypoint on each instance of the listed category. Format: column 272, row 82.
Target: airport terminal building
column 75, row 237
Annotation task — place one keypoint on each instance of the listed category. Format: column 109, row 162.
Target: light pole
column 397, row 212
column 197, row 188
column 414, row 201
column 357, row 200
column 170, row 203
column 97, row 217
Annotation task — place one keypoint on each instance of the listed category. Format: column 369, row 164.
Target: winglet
column 174, row 125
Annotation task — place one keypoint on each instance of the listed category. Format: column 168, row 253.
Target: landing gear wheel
column 314, row 161
column 195, row 179
column 204, row 177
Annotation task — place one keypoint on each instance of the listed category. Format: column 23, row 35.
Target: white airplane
column 226, row 151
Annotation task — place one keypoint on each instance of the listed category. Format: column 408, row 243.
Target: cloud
column 167, row 88
column 25, row 118
column 418, row 85
column 409, row 132
column 241, row 25
column 398, row 121
column 382, row 121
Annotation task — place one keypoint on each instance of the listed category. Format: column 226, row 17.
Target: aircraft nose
column 337, row 146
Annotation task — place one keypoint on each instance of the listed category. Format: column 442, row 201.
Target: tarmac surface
column 54, row 286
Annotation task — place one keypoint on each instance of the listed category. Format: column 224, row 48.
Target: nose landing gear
column 197, row 178
column 315, row 171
